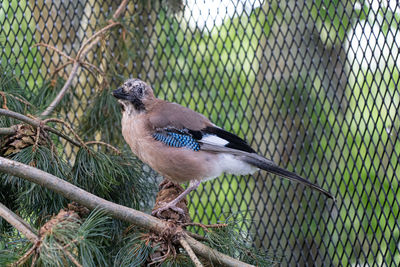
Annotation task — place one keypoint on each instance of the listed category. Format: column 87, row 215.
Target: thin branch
column 62, row 66
column 19, row 116
column 120, row 212
column 20, row 99
column 104, row 144
column 55, row 49
column 69, row 128
column 88, row 65
column 18, row 223
column 93, row 40
column 62, row 92
column 90, row 43
column 213, row 255
column 205, row 226
column 35, row 257
column 3, row 95
column 69, row 255
column 120, row 9
column 197, row 236
column 190, row 252
column 35, row 123
column 25, row 257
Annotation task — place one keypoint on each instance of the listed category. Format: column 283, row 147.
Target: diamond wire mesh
column 312, row 85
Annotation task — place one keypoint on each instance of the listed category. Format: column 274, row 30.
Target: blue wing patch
column 177, row 139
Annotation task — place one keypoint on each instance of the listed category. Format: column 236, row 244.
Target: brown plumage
column 183, row 145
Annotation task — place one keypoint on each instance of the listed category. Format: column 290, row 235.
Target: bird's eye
column 140, row 91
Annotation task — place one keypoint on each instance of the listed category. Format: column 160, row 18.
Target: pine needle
column 114, row 177
column 12, row 248
column 42, row 97
column 73, row 239
column 135, row 251
column 233, row 241
column 13, row 96
column 103, row 116
column 32, row 198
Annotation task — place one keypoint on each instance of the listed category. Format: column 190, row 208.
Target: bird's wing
column 175, row 121
column 212, row 139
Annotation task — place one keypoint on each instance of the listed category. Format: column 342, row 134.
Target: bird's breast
column 133, row 131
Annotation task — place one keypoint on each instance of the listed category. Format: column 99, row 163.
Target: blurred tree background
column 312, row 85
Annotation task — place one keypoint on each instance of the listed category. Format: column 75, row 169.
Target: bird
column 185, row 146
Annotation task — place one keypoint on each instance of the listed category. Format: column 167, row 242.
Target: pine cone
column 63, row 215
column 168, row 191
column 24, row 137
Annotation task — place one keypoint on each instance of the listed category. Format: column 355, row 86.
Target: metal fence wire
column 312, row 85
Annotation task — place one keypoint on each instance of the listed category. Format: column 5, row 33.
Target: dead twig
column 20, row 99
column 56, row 50
column 205, row 226
column 69, row 255
column 88, row 65
column 190, row 252
column 78, row 60
column 61, row 67
column 3, row 95
column 93, row 40
column 35, row 123
column 104, row 144
column 26, row 256
column 34, row 259
column 38, row 129
column 196, row 236
column 69, row 128
column 119, row 10
column 62, row 92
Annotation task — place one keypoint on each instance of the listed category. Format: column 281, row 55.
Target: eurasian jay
column 183, row 145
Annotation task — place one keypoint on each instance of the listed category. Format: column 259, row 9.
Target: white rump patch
column 228, row 163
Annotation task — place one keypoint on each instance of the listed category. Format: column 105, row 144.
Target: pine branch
column 18, row 223
column 78, row 60
column 8, row 130
column 19, row 116
column 36, row 123
column 123, row 213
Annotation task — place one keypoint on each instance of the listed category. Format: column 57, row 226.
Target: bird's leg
column 172, row 205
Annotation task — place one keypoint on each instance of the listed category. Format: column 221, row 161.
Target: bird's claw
column 157, row 212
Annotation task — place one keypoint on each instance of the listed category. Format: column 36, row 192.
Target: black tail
column 271, row 167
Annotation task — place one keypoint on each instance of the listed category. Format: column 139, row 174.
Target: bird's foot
column 172, row 206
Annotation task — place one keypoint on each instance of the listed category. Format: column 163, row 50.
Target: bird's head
column 133, row 95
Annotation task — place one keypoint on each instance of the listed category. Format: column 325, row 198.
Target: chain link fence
column 312, row 85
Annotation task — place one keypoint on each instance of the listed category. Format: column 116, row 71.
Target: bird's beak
column 119, row 93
